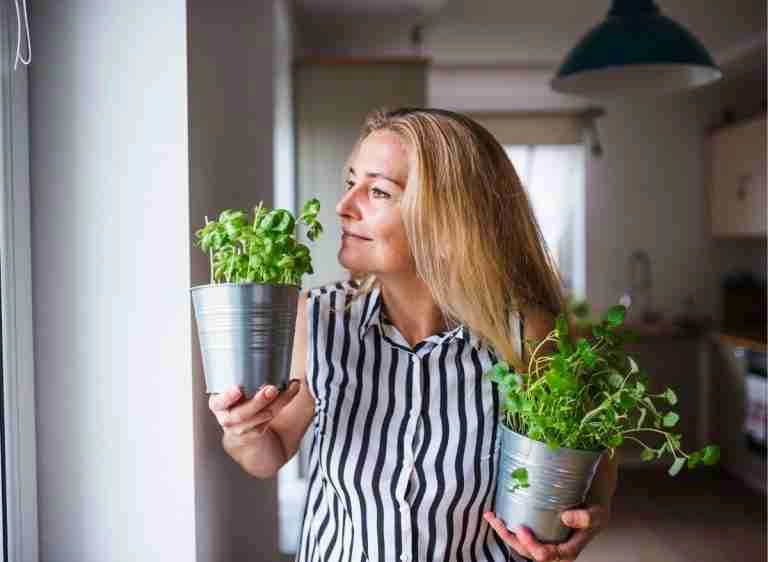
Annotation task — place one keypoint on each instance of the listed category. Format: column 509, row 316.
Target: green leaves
column 518, row 478
column 710, row 454
column 590, row 394
column 615, row 315
column 671, row 397
column 262, row 251
column 309, row 217
column 670, row 419
column 615, row 379
column 564, row 344
column 676, row 466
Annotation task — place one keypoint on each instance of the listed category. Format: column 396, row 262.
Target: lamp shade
column 635, row 51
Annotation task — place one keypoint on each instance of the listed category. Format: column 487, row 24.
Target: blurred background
column 134, row 120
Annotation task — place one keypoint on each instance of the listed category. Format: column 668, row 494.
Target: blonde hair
column 470, row 227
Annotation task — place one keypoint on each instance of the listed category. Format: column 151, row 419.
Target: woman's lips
column 350, row 236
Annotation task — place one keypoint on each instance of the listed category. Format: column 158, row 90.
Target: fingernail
column 293, row 384
column 270, row 392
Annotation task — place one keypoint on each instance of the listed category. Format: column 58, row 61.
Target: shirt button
column 404, row 557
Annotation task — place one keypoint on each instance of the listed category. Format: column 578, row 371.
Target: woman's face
column 373, row 236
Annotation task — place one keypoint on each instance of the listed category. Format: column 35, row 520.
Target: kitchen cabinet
column 736, row 179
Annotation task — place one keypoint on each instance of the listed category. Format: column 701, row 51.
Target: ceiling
column 538, row 33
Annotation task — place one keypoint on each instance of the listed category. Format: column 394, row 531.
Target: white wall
column 647, row 190
column 110, row 270
column 284, row 146
column 145, row 116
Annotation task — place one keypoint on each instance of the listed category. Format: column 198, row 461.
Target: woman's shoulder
column 323, row 292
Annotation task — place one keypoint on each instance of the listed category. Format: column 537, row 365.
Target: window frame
column 19, row 421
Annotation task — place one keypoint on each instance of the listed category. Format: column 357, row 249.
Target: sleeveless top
column 403, row 460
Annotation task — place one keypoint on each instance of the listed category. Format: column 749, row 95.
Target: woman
column 447, row 262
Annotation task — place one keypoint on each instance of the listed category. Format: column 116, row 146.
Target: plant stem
column 211, row 252
column 531, row 362
column 634, row 439
column 256, row 214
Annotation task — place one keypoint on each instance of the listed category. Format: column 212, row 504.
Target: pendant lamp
column 635, row 51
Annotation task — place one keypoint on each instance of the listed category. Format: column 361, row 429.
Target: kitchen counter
column 749, row 339
column 656, row 331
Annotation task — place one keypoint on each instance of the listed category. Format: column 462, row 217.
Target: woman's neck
column 411, row 308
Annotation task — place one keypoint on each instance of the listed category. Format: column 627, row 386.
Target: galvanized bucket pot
column 246, row 333
column 558, row 479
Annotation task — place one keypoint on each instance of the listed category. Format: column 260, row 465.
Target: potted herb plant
column 572, row 406
column 246, row 316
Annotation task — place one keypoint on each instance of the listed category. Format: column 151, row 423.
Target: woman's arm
column 604, row 483
column 264, row 432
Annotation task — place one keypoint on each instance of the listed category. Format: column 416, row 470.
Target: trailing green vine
column 589, row 394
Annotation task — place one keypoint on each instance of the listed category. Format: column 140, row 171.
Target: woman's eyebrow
column 377, row 175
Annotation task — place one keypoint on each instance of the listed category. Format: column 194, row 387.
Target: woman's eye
column 379, row 193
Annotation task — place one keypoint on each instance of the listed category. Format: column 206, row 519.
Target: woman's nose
column 347, row 205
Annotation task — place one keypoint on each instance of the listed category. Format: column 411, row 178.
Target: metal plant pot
column 558, row 479
column 246, row 333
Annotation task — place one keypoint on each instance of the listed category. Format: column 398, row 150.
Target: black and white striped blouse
column 404, row 457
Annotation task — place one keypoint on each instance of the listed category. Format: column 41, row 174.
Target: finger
column 262, row 417
column 285, row 397
column 541, row 552
column 222, row 401
column 254, row 434
column 570, row 550
column 250, row 408
column 583, row 518
column 501, row 529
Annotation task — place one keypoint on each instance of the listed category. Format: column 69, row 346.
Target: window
column 18, row 517
column 553, row 177
column 548, row 151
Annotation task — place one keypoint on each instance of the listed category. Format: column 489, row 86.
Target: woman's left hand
column 587, row 521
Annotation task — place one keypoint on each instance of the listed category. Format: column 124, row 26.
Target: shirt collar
column 374, row 316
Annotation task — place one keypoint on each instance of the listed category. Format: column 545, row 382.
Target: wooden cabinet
column 736, row 178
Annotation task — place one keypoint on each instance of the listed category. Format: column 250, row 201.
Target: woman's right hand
column 245, row 421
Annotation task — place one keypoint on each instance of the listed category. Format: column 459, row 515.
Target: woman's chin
column 348, row 260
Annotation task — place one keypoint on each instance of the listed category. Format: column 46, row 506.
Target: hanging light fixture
column 635, row 50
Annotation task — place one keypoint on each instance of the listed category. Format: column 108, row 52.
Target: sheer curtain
column 553, row 177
